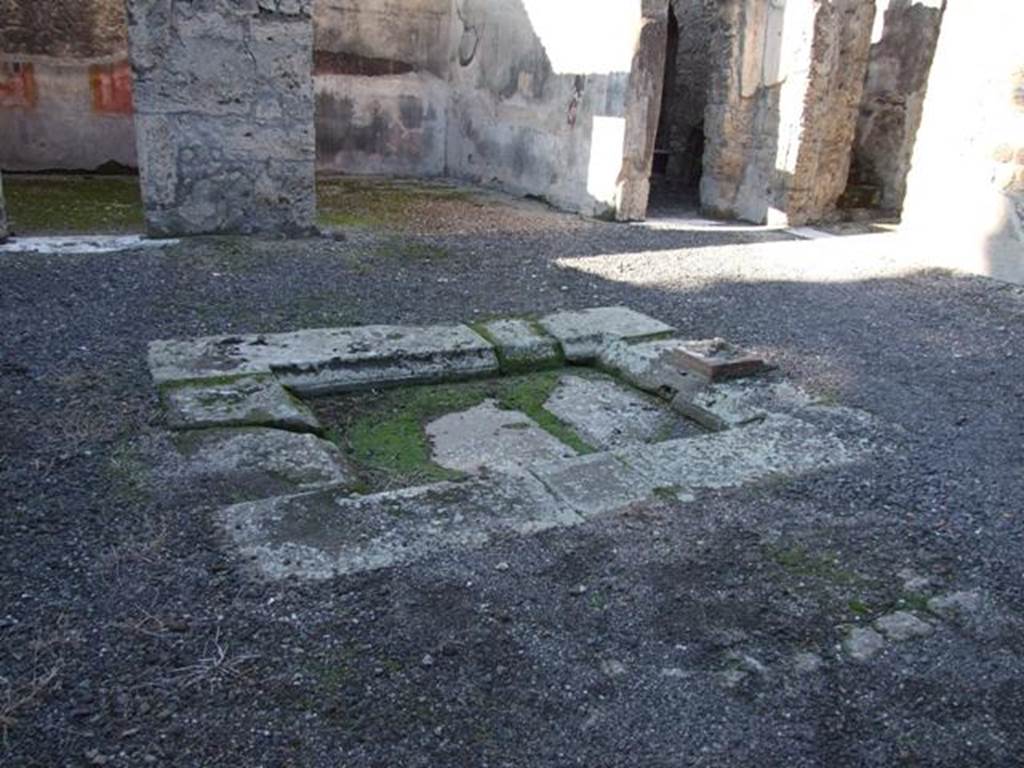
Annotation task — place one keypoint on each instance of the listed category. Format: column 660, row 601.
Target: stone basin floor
column 868, row 614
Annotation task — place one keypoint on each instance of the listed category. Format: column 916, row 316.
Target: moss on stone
column 382, row 204
column 384, row 433
column 81, row 204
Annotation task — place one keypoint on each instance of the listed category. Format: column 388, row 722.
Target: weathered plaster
column 224, row 115
column 65, row 85
column 78, row 116
column 3, row 213
column 381, row 69
column 553, row 127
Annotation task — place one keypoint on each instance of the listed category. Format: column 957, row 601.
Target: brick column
column 224, row 115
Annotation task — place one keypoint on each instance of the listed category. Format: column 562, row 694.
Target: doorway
column 679, row 143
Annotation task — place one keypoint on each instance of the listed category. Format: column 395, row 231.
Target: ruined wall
column 965, row 191
column 78, row 29
column 890, row 113
column 381, row 70
column 65, row 85
column 539, row 97
column 3, row 212
column 224, row 109
column 782, row 107
column 688, row 84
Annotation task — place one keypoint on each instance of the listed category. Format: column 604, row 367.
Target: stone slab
column 608, row 415
column 732, row 404
column 248, row 459
column 327, row 533
column 584, row 333
column 487, row 437
column 323, row 360
column 521, row 346
column 717, row 359
column 779, row 445
column 651, row 366
column 252, row 401
column 594, row 484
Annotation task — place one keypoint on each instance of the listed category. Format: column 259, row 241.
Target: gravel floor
column 667, row 635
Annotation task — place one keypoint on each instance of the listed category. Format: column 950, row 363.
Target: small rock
column 807, row 662
column 747, row 663
column 862, row 643
column 732, row 677
column 579, row 589
column 427, row 661
column 613, row 668
column 902, row 625
column 955, row 604
column 673, row 672
column 914, row 582
column 502, row 566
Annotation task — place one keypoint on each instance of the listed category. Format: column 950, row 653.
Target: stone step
column 323, row 360
column 329, row 533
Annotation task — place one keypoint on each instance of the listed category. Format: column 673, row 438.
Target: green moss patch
column 55, row 205
column 383, row 431
column 383, row 204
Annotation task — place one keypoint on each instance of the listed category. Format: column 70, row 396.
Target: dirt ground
column 707, row 634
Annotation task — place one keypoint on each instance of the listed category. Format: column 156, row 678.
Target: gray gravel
column 666, row 635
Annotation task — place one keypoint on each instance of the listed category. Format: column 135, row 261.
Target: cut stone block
column 247, row 459
column 326, row 533
column 521, row 346
column 245, row 402
column 651, row 366
column 718, row 359
column 608, row 415
column 326, row 360
column 594, row 484
column 733, row 404
column 584, row 333
column 487, row 437
column 779, row 445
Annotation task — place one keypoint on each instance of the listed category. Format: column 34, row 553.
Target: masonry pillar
column 643, row 104
column 890, row 113
column 3, row 213
column 786, row 86
column 224, row 115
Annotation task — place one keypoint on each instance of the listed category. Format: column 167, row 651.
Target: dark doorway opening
column 679, row 143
